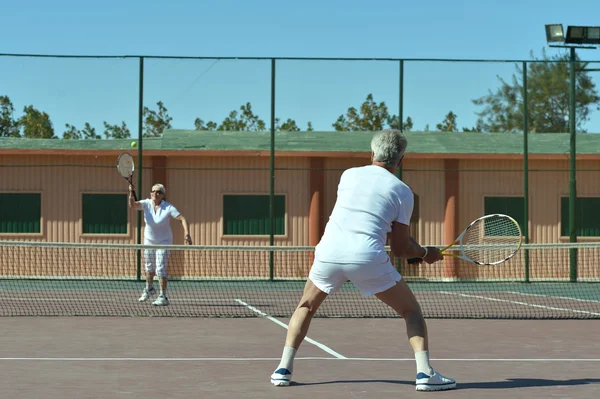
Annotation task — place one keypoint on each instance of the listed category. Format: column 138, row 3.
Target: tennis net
column 46, row 279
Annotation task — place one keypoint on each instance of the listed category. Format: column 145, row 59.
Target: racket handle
column 134, row 196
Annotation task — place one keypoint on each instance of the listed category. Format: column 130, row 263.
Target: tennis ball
column 133, row 144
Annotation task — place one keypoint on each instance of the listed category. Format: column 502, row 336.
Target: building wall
column 61, row 188
column 195, row 185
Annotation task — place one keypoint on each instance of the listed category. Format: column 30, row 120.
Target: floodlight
column 583, row 35
column 555, row 33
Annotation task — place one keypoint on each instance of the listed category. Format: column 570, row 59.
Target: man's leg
column 403, row 301
column 312, row 298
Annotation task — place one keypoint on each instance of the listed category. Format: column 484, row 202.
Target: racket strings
column 492, row 239
column 125, row 166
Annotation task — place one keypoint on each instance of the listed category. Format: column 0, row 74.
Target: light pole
column 575, row 38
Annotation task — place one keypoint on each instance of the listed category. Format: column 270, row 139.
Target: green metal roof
column 418, row 142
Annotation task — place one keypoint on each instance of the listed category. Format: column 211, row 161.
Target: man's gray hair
column 388, row 147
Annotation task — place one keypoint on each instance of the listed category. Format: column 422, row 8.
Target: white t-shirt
column 369, row 199
column 158, row 224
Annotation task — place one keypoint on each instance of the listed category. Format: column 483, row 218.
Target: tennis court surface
column 73, row 327
column 118, row 357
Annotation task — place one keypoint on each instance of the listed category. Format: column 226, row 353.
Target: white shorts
column 370, row 279
column 156, row 259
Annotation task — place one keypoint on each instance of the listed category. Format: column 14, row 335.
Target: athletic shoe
column 434, row 382
column 161, row 301
column 147, row 294
column 281, row 377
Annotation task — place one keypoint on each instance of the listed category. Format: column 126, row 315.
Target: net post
column 272, row 175
column 525, row 171
column 140, row 166
column 572, row 171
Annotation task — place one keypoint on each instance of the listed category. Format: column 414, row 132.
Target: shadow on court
column 510, row 383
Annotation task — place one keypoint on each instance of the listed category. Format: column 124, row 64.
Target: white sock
column 287, row 359
column 423, row 366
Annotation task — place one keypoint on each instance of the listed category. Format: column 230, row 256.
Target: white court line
column 520, row 303
column 95, row 299
column 553, row 296
column 254, row 359
column 282, row 324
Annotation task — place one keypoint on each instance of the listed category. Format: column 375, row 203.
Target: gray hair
column 388, row 147
column 160, row 187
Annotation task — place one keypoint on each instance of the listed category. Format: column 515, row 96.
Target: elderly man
column 372, row 205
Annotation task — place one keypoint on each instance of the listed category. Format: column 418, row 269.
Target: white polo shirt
column 369, row 199
column 158, row 224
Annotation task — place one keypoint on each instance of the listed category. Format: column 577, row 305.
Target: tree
column 155, row 123
column 88, row 133
column 370, row 117
column 448, row 124
column 548, row 88
column 9, row 127
column 36, row 124
column 247, row 120
column 199, row 124
column 116, row 131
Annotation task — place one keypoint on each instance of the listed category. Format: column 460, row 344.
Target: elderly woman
column 157, row 216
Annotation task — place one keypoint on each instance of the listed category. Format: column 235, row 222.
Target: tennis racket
column 489, row 240
column 126, row 167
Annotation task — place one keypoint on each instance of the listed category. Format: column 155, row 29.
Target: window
column 587, row 217
column 20, row 212
column 104, row 213
column 249, row 215
column 511, row 206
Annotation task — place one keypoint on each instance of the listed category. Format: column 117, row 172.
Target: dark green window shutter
column 249, row 215
column 511, row 206
column 104, row 213
column 587, row 217
column 20, row 212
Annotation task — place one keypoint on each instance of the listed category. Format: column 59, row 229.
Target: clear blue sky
column 76, row 91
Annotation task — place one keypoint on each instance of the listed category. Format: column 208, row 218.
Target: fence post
column 140, row 164
column 272, row 174
column 525, row 171
column 401, row 128
column 572, row 178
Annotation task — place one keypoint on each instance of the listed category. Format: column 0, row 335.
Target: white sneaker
column 281, row 377
column 434, row 382
column 161, row 301
column 147, row 294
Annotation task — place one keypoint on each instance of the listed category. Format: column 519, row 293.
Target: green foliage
column 88, row 133
column 369, row 117
column 448, row 124
column 548, row 88
column 246, row 120
column 116, row 131
column 9, row 127
column 36, row 124
column 155, row 123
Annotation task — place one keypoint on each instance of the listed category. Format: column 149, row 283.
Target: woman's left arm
column 186, row 229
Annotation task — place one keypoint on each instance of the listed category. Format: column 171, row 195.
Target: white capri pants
column 156, row 259
column 369, row 278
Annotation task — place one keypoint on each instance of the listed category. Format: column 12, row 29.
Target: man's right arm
column 404, row 246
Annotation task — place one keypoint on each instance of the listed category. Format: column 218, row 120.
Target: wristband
column 425, row 248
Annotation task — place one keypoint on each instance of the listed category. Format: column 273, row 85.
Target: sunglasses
column 157, row 191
